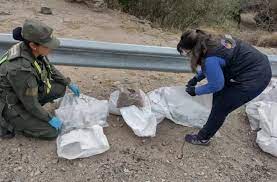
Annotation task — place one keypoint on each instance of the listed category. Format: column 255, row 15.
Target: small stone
column 201, row 174
column 37, row 173
column 46, row 11
column 95, row 77
column 5, row 13
column 116, row 83
column 80, row 165
column 55, row 161
column 126, row 170
column 32, row 174
column 19, row 168
column 164, row 143
column 180, row 156
column 63, row 169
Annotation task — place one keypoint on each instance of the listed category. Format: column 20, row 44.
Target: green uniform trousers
column 30, row 126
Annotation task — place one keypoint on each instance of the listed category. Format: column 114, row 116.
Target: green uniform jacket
column 21, row 83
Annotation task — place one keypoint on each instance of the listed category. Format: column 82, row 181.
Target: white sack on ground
column 82, row 134
column 267, row 136
column 175, row 104
column 167, row 102
column 140, row 119
column 262, row 115
column 82, row 111
column 113, row 109
column 268, row 95
column 81, row 143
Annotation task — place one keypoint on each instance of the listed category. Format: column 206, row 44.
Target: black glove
column 192, row 82
column 191, row 90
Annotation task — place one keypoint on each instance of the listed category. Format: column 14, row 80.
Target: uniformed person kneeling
column 28, row 81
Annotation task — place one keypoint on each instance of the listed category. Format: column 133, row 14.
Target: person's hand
column 74, row 88
column 192, row 82
column 56, row 123
column 191, row 90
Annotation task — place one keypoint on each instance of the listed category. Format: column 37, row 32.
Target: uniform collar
column 26, row 52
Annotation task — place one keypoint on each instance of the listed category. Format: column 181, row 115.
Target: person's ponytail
column 17, row 34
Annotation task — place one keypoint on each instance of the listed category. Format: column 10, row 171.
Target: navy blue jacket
column 239, row 65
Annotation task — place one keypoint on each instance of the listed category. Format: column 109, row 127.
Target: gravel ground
column 232, row 156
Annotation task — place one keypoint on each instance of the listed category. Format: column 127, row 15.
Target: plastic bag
column 113, row 109
column 82, row 112
column 80, row 143
column 140, row 119
column 262, row 116
column 176, row 105
column 82, row 134
column 267, row 136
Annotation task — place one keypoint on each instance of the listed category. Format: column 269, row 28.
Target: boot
column 6, row 134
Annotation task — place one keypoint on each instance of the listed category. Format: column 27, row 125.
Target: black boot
column 6, row 134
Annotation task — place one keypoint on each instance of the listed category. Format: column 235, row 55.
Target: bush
column 181, row 14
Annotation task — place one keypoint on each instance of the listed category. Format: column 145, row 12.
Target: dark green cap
column 38, row 32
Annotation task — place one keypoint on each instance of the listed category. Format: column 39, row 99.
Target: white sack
column 175, row 104
column 80, row 143
column 262, row 114
column 140, row 119
column 82, row 134
column 268, row 95
column 113, row 103
column 267, row 136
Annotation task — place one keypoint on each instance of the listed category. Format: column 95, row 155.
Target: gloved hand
column 192, row 82
column 74, row 88
column 56, row 123
column 191, row 90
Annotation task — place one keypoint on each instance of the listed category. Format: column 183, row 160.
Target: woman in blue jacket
column 236, row 73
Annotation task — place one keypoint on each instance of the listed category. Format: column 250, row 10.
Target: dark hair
column 189, row 39
column 17, row 35
column 198, row 42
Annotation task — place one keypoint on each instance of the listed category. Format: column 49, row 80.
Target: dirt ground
column 232, row 156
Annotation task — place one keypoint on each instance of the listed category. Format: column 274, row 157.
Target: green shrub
column 181, row 14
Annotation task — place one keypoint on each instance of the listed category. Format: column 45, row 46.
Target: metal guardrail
column 113, row 55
